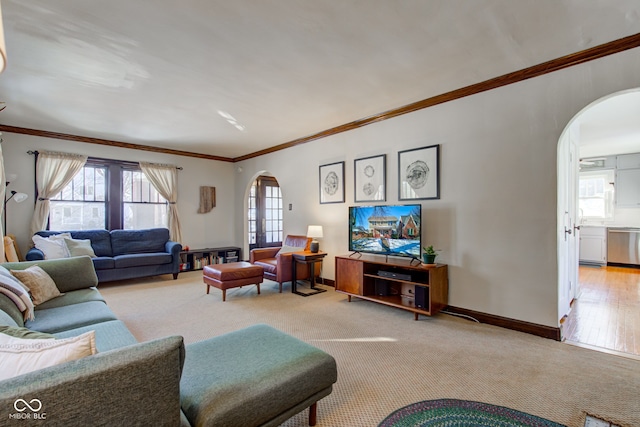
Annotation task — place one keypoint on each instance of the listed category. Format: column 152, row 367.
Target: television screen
column 386, row 230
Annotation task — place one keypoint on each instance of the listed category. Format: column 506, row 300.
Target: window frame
column 114, row 191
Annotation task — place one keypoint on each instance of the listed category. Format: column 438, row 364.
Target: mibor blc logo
column 28, row 410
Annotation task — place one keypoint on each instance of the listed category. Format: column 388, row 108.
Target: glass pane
column 147, row 215
column 73, row 215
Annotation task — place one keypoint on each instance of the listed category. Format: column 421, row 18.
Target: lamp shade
column 314, row 231
column 20, row 197
column 3, row 49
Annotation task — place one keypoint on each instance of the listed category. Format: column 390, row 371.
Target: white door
column 568, row 229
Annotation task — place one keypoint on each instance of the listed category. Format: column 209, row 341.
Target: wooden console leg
column 313, row 413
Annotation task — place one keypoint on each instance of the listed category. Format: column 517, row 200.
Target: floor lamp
column 17, row 197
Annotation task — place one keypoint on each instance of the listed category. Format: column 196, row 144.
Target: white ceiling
column 611, row 126
column 157, row 72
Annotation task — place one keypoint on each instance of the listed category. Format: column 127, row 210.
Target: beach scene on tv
column 387, row 230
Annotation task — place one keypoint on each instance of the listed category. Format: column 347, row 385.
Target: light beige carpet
column 387, row 360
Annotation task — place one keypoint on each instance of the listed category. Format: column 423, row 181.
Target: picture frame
column 370, row 178
column 419, row 173
column 331, row 183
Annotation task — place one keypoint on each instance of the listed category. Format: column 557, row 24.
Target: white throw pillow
column 53, row 247
column 19, row 356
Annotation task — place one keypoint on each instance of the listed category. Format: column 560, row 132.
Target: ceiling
column 165, row 73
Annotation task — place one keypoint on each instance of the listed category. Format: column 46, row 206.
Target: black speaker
column 382, row 288
column 421, row 295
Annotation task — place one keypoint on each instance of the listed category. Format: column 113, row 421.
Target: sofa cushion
column 103, row 263
column 269, row 265
column 139, row 241
column 58, row 319
column 109, row 335
column 19, row 356
column 68, row 273
column 74, row 297
column 138, row 260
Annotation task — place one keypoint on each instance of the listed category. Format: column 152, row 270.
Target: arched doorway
column 264, row 213
column 606, row 128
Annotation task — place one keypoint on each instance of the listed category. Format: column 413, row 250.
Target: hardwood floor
column 607, row 312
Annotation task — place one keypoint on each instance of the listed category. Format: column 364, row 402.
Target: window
column 108, row 194
column 142, row 206
column 595, row 197
column 82, row 204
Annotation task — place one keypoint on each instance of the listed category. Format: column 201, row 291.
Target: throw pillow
column 78, row 247
column 40, row 284
column 288, row 249
column 26, row 333
column 19, row 356
column 16, row 292
column 53, row 246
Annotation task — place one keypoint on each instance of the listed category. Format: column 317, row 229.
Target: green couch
column 257, row 376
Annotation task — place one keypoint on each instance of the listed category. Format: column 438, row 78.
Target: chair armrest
column 263, row 253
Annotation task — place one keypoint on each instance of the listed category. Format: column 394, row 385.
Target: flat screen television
column 386, row 230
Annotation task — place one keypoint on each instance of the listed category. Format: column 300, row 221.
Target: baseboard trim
column 513, row 324
column 327, row 282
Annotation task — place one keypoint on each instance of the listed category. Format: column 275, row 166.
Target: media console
column 394, row 282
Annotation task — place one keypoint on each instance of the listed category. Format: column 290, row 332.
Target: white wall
column 199, row 230
column 496, row 219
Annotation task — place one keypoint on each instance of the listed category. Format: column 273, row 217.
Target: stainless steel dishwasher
column 623, row 245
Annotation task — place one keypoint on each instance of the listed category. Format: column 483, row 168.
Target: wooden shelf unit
column 197, row 259
column 414, row 287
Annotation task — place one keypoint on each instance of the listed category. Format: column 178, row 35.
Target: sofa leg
column 175, row 276
column 224, row 295
column 258, row 285
column 313, row 413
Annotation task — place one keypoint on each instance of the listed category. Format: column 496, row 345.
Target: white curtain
column 53, row 172
column 3, row 189
column 164, row 179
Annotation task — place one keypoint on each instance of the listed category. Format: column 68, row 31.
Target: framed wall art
column 370, row 178
column 419, row 173
column 332, row 183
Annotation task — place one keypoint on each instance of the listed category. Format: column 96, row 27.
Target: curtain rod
column 109, row 160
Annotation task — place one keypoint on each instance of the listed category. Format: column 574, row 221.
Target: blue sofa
column 126, row 254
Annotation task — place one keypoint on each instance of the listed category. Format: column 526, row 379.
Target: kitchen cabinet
column 593, row 245
column 628, row 161
column 628, row 188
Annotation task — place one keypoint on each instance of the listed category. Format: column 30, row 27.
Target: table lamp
column 315, row 232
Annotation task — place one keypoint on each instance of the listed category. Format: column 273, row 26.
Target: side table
column 310, row 259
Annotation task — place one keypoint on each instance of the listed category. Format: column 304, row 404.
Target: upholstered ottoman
column 257, row 376
column 232, row 275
